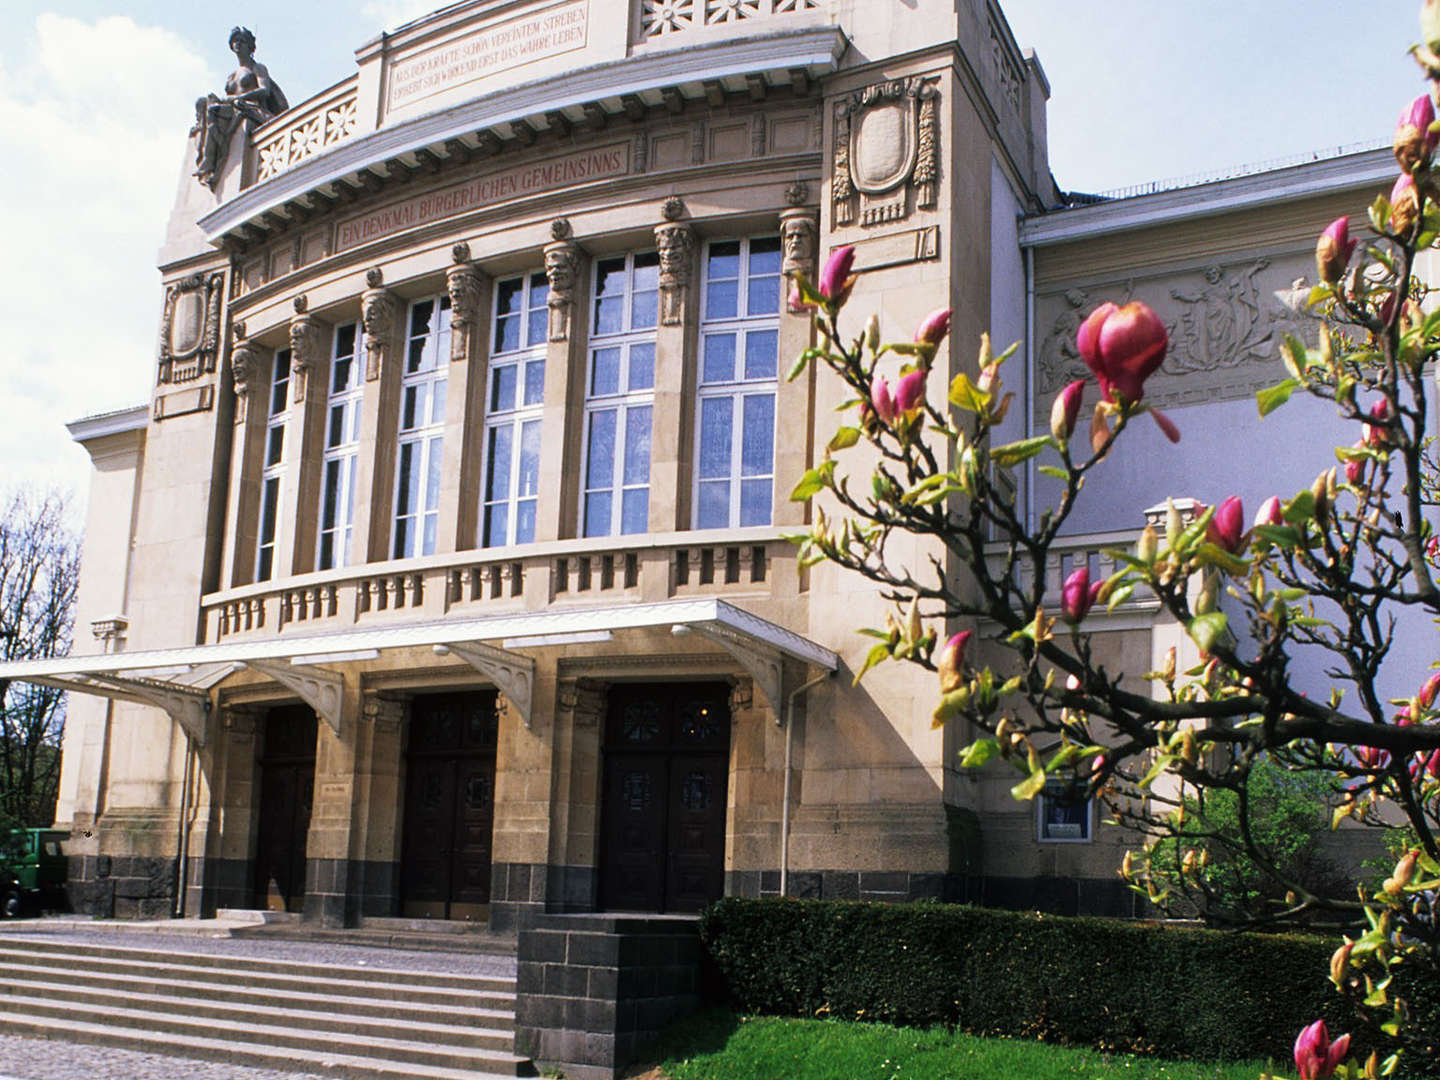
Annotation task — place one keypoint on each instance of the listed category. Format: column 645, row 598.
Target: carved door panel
column 287, row 788
column 449, row 806
column 663, row 809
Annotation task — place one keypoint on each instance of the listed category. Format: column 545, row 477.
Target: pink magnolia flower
column 880, row 399
column 934, row 327
column 1428, row 692
column 1372, row 757
column 951, row 661
column 835, row 277
column 1077, row 595
column 1123, row 346
column 1333, row 250
column 797, row 303
column 1269, row 512
column 1355, row 467
column 1378, row 434
column 1404, row 209
column 1413, row 142
column 1227, row 527
column 904, row 401
column 1066, row 410
column 1165, row 424
column 1316, row 1057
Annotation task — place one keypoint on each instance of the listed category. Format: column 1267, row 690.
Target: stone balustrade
column 607, row 571
column 301, row 133
column 1068, row 554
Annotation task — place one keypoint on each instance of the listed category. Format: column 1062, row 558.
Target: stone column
column 222, row 877
column 379, row 782
column 310, row 342
column 575, row 795
column 329, row 884
column 671, row 430
column 382, row 316
column 250, row 374
column 469, row 291
column 799, row 237
column 562, row 421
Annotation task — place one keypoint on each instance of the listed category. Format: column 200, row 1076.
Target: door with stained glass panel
column 667, row 753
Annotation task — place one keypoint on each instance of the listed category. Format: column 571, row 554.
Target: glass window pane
column 497, row 472
column 509, row 294
column 535, row 382
column 647, row 272
column 605, row 372
column 502, row 388
column 420, row 315
column 355, row 409
column 714, row 509
column 340, row 374
column 437, row 400
column 716, row 426
column 724, row 260
column 642, row 366
column 415, row 357
column 757, row 451
column 507, row 333
column 644, row 310
column 412, row 407
column 539, row 291
column 330, row 502
column 427, row 545
column 720, row 299
column 537, row 328
column 719, row 364
column 434, row 460
column 609, row 315
column 349, row 518
column 597, row 514
column 600, row 453
column 637, row 446
column 762, row 350
column 525, row 521
column 275, row 445
column 764, row 256
column 635, row 510
column 407, row 480
column 270, row 507
column 527, row 482
column 497, row 520
column 345, row 343
column 764, row 296
column 755, row 502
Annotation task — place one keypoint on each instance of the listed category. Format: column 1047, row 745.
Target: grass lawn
column 719, row 1045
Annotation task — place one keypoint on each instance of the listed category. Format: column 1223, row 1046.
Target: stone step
column 470, row 1010
column 21, row 1013
column 419, row 987
column 207, row 1048
column 487, row 1029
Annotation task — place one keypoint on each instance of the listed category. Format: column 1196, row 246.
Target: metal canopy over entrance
column 179, row 681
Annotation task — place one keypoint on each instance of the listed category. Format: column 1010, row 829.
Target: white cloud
column 93, row 119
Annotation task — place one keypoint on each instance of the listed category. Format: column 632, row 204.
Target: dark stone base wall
column 122, row 886
column 327, row 891
column 1109, row 897
column 374, row 888
column 521, row 892
column 595, row 989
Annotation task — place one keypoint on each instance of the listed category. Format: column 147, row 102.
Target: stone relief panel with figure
column 1225, row 321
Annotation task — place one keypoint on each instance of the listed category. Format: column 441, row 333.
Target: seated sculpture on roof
column 251, row 98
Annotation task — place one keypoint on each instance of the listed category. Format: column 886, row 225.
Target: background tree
column 39, row 572
column 1328, row 572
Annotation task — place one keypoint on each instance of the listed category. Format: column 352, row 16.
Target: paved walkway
column 42, row 1059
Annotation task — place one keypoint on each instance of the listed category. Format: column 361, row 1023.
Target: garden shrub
column 1173, row 991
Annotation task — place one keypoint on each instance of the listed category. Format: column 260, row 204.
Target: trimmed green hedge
column 1171, row 991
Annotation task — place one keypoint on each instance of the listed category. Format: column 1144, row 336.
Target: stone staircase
column 326, row 1019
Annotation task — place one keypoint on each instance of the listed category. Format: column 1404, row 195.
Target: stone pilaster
column 671, row 442
column 460, row 482
column 562, row 420
column 799, row 240
column 382, row 317
column 250, row 366
column 310, row 340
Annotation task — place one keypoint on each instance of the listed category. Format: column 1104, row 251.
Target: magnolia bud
column 1173, row 524
column 1339, row 961
column 1405, row 868
column 872, row 333
column 1333, row 250
column 913, row 629
column 1321, row 493
column 1066, row 410
column 1168, row 668
column 1148, row 544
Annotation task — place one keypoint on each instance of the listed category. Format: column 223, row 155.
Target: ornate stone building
column 443, row 575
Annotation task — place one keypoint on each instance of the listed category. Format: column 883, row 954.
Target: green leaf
column 1208, row 629
column 1308, row 621
column 1272, row 397
column 1319, row 293
column 978, row 753
column 876, row 654
column 1016, row 452
column 1119, row 596
column 1055, row 471
column 1155, row 770
column 1284, row 536
column 1067, row 754
column 1214, row 555
column 1299, row 509
column 810, row 485
column 965, row 395
column 843, row 439
column 1029, row 787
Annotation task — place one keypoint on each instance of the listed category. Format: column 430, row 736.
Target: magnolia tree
column 1325, row 570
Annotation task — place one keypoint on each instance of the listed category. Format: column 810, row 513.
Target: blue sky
column 96, row 98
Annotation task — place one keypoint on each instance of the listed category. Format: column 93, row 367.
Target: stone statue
column 251, row 98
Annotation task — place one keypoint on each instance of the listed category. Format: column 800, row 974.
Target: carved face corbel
column 562, row 266
column 379, row 312
column 886, row 151
column 307, row 347
column 464, row 283
column 190, row 327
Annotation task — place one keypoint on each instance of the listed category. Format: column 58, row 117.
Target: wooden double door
column 666, row 777
column 449, row 806
column 287, row 792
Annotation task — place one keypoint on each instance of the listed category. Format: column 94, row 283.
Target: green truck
column 32, row 871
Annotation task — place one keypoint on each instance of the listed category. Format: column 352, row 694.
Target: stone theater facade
column 443, row 575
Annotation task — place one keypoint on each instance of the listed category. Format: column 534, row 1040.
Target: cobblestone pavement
column 43, row 1059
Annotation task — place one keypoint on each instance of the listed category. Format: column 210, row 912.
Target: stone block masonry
column 592, row 990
